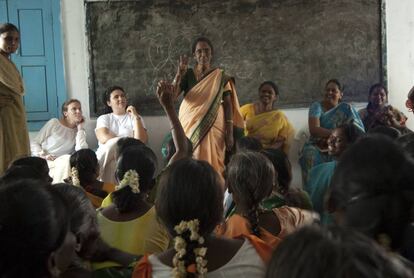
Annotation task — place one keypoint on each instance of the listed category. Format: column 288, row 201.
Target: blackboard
column 298, row 44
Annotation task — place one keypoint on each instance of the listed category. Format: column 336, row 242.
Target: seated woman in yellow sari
column 269, row 125
column 210, row 107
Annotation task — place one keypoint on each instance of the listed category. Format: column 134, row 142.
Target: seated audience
column 372, row 191
column 314, row 252
column 324, row 116
column 250, row 178
column 35, row 239
column 379, row 113
column 117, row 121
column 130, row 222
column 266, row 123
column 84, row 173
column 320, row 176
column 189, row 203
column 59, row 138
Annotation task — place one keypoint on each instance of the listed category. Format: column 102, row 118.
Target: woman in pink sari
column 210, row 108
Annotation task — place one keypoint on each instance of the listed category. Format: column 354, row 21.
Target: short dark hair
column 313, row 252
column 33, row 224
column 7, row 27
column 106, row 96
column 67, row 103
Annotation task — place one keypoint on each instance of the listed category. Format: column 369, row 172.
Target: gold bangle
column 229, row 121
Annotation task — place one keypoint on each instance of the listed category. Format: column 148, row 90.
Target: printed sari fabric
column 311, row 154
column 290, row 219
column 267, row 127
column 202, row 116
column 14, row 137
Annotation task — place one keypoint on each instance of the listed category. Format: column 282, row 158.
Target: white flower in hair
column 131, row 179
column 180, row 245
column 75, row 176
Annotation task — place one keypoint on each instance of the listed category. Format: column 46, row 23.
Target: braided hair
column 250, row 178
column 86, row 165
column 190, row 191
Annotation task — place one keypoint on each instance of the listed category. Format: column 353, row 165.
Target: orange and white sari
column 202, row 117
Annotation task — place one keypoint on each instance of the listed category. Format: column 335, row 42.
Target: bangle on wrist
column 229, row 121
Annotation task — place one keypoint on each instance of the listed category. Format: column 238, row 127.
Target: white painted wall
column 400, row 56
column 400, row 52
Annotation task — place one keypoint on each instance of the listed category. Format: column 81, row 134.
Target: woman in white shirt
column 59, row 138
column 119, row 121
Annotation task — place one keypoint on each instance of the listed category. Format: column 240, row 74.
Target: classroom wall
column 400, row 60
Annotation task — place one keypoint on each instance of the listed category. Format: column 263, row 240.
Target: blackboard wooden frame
column 151, row 102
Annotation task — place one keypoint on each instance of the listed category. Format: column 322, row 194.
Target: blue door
column 39, row 58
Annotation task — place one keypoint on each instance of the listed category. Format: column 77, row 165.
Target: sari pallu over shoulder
column 202, row 116
column 14, row 137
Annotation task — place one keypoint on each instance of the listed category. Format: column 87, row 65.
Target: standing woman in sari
column 269, row 125
column 14, row 137
column 324, row 117
column 210, row 108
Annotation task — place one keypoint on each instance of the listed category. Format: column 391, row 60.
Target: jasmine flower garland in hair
column 131, row 179
column 180, row 247
column 75, row 176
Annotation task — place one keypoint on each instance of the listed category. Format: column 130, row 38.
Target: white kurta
column 121, row 126
column 60, row 141
column 57, row 139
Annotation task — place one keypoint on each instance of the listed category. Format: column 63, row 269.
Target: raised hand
column 165, row 93
column 182, row 65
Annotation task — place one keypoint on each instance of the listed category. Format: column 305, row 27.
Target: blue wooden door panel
column 31, row 26
column 37, row 59
column 35, row 78
column 3, row 11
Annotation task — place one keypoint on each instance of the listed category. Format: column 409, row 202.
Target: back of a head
column 78, row 203
column 373, row 187
column 18, row 172
column 388, row 131
column 33, row 224
column 282, row 166
column 126, row 142
column 247, row 143
column 86, row 164
column 38, row 165
column 143, row 161
column 314, row 252
column 250, row 177
column 188, row 190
